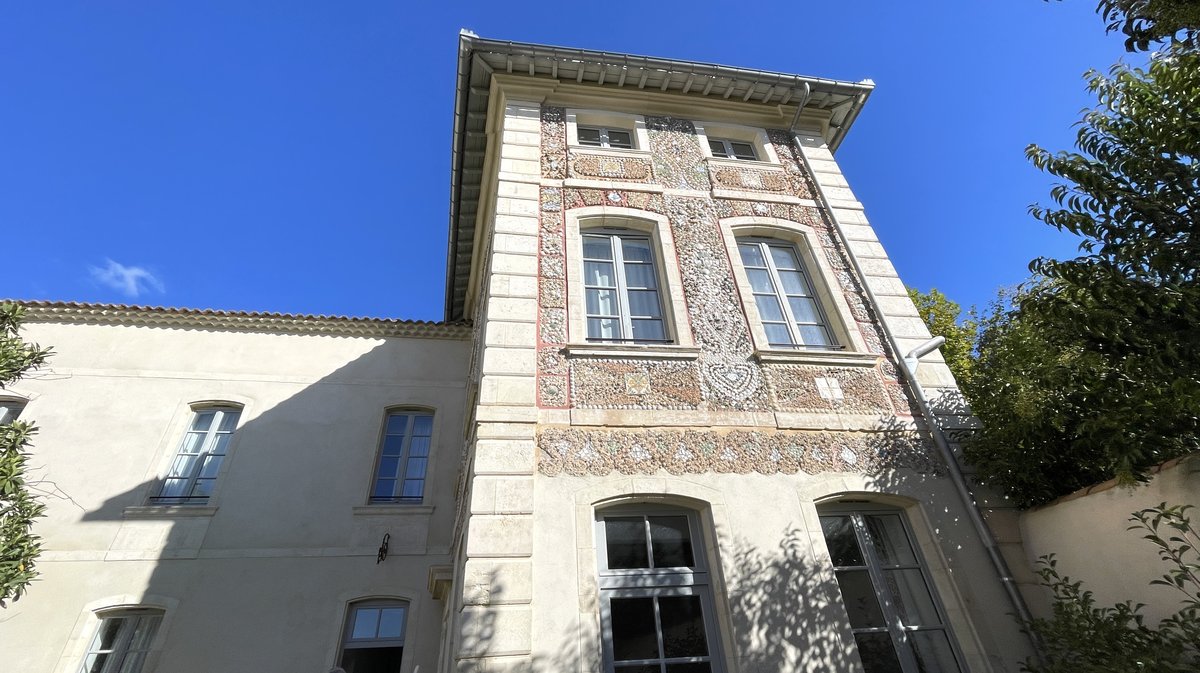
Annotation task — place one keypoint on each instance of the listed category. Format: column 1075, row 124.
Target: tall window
column 605, row 137
column 732, row 149
column 122, row 641
column 10, row 409
column 374, row 637
column 403, row 458
column 784, row 295
column 194, row 471
column 897, row 622
column 655, row 601
column 621, row 288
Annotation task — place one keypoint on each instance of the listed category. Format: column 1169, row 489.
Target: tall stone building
column 667, row 425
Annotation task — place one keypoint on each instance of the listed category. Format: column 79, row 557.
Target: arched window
column 784, row 294
column 10, row 409
column 122, row 641
column 656, row 605
column 373, row 638
column 898, row 623
column 193, row 473
column 403, row 457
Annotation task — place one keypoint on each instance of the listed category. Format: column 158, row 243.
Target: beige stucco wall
column 261, row 583
column 1088, row 535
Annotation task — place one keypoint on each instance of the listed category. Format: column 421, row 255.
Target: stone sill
column 651, row 351
column 602, row 183
column 745, row 163
column 167, row 511
column 825, row 358
column 772, row 197
column 390, row 510
column 611, row 151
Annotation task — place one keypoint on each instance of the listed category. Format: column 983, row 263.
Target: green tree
column 944, row 318
column 1145, row 22
column 19, row 547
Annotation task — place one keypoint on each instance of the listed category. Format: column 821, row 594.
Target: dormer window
column 599, row 136
column 732, row 149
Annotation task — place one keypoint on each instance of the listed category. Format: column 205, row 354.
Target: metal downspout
column 935, row 430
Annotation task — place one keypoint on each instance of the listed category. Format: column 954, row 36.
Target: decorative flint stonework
column 750, row 180
column 603, row 383
column 798, row 388
column 800, row 181
column 554, row 143
column 597, row 166
column 582, row 452
column 678, row 159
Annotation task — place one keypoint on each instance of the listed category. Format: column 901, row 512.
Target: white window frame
column 397, row 497
column 120, row 650
column 840, row 322
column 728, row 151
column 755, row 137
column 764, row 246
column 896, row 631
column 11, row 408
column 605, row 140
column 656, row 582
column 204, row 452
column 616, row 237
column 633, row 124
column 348, row 643
column 670, row 280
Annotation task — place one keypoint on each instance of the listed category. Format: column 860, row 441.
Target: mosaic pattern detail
column 579, row 198
column 625, row 169
column 602, row 383
column 678, row 159
column 554, row 143
column 750, row 180
column 552, row 379
column 795, row 388
column 552, row 391
column 582, row 452
column 731, row 378
column 800, row 182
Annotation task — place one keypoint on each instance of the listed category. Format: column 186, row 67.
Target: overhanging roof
column 478, row 58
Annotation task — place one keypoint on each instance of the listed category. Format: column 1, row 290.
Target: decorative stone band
column 581, row 452
column 627, row 169
column 751, row 180
column 284, row 323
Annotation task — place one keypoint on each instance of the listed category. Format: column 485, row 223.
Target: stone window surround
column 181, row 422
column 837, row 311
column 92, row 614
column 749, row 134
column 636, row 124
column 344, row 607
column 670, row 280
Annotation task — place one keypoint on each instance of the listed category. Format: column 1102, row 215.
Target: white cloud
column 129, row 280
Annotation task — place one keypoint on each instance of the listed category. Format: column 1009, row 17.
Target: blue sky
column 294, row 156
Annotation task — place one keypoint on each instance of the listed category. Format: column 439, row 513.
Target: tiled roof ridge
column 290, row 323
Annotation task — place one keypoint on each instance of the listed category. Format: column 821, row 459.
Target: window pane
column 384, row 488
column 640, row 275
column 366, row 623
column 173, row 488
column 877, row 653
column 784, row 257
column 696, row 667
column 649, row 330
column 211, row 465
column 389, row 466
column 639, row 668
column 202, row 488
column 619, row 139
column 393, row 445
column 418, row 447
column 397, row 424
column 804, row 309
column 597, row 247
column 911, row 597
column 794, row 283
column 778, row 334
column 859, row 596
column 718, row 148
column 391, row 623
column 95, row 663
column 413, row 488
column 107, row 636
column 416, row 468
column 143, row 632
column 422, row 426
column 183, row 465
column 636, row 250
column 644, row 304
column 599, row 274
column 601, row 302
column 604, row 328
column 814, row 335
column 891, row 543
column 682, row 626
column 625, row 539
column 768, row 307
column 220, row 444
column 192, row 442
column 633, row 630
column 933, row 652
column 203, row 420
column 589, row 136
column 842, row 543
column 229, row 421
column 743, row 150
column 133, row 662
column 671, row 542
column 751, row 254
column 760, row 280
